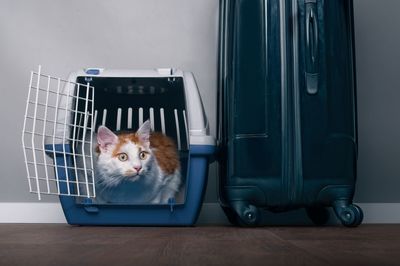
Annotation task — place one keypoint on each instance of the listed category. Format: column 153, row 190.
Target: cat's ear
column 106, row 138
column 144, row 132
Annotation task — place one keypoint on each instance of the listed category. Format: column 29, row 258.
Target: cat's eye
column 142, row 155
column 122, row 157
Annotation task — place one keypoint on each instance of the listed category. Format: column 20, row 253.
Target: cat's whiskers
column 110, row 180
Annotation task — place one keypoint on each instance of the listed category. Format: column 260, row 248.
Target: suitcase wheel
column 350, row 216
column 246, row 214
column 319, row 215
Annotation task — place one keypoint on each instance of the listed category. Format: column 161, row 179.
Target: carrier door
column 57, row 137
column 327, row 89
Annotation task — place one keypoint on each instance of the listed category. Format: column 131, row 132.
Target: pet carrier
column 58, row 139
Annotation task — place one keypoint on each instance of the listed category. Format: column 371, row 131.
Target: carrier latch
column 171, row 203
column 89, row 206
column 93, row 71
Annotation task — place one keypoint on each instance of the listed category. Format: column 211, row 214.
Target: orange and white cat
column 140, row 168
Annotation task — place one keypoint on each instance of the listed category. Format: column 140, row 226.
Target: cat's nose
column 137, row 168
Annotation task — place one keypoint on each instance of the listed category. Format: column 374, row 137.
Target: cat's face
column 124, row 157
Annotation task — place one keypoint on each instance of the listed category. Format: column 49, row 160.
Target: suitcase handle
column 311, row 73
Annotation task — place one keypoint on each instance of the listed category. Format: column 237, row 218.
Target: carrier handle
column 311, row 72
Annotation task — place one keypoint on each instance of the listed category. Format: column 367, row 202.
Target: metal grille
column 57, row 137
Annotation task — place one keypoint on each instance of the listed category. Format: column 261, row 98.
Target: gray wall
column 377, row 35
column 64, row 36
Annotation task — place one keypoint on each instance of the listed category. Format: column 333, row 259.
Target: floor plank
column 57, row 244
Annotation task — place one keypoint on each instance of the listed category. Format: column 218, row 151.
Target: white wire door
column 57, row 137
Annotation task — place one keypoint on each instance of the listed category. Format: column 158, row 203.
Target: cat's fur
column 154, row 178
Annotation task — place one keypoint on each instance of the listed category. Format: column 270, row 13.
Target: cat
column 139, row 168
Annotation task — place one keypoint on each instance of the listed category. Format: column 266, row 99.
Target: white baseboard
column 211, row 213
column 24, row 212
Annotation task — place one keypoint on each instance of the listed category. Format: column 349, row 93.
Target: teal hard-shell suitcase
column 287, row 121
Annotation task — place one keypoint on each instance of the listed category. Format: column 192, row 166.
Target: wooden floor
column 57, row 244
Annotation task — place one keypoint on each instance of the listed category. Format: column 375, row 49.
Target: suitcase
column 287, row 121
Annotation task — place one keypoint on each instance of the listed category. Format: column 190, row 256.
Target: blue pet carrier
column 59, row 129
